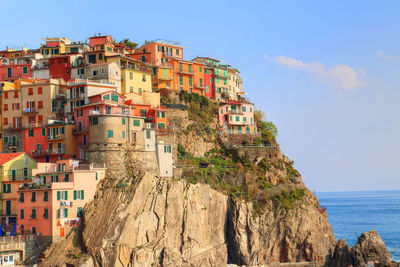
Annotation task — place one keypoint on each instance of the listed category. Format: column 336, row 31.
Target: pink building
column 237, row 117
column 53, row 202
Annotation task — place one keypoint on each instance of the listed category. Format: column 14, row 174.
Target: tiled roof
column 6, row 157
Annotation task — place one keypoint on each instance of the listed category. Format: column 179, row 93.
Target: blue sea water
column 351, row 213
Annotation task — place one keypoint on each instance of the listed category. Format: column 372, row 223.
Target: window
column 46, row 213
column 131, row 75
column 123, row 121
column 237, row 118
column 21, row 214
column 40, row 104
column 79, row 194
column 40, row 90
column 30, row 133
column 190, row 81
column 108, row 110
column 201, row 69
column 167, row 149
column 136, row 122
column 222, row 111
column 33, row 197
column 5, row 107
column 217, row 80
column 143, row 77
column 143, row 58
column 148, row 134
column 62, row 195
column 21, row 197
column 95, row 120
column 45, row 196
column 190, row 68
column 251, row 109
column 114, row 97
column 211, row 80
column 159, row 48
column 180, row 67
column 177, row 52
column 24, row 70
column 110, row 133
column 43, row 131
column 143, row 112
column 100, row 56
column 244, row 119
column 79, row 212
column 224, row 81
column 30, row 91
column 239, row 129
column 5, row 138
column 6, row 95
column 15, row 94
column 6, row 188
column 66, row 177
column 161, row 125
column 244, row 109
column 180, row 79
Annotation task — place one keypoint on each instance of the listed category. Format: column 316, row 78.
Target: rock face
column 173, row 223
column 369, row 248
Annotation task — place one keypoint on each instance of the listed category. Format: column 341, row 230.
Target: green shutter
column 58, row 213
column 82, row 195
column 58, row 195
column 97, row 176
column 75, row 193
column 66, row 195
column 65, row 213
column 136, row 122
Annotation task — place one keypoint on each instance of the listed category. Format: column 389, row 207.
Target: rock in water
column 369, row 249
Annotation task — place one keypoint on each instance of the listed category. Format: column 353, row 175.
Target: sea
column 351, row 213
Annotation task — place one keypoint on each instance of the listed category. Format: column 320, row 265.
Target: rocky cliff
column 225, row 204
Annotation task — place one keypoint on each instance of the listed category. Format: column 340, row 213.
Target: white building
column 164, row 159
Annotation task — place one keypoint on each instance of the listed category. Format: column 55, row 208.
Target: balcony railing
column 186, row 72
column 148, row 125
column 29, row 110
column 80, row 130
column 162, row 78
column 43, row 152
column 199, row 85
column 11, row 212
column 98, row 112
column 15, row 178
column 13, row 144
column 221, row 75
column 56, row 137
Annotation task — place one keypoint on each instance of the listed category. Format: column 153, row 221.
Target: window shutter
column 4, row 188
column 74, row 194
column 65, row 213
column 58, row 195
column 58, row 213
column 66, row 195
column 82, row 197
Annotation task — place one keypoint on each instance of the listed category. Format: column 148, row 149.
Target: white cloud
column 386, row 57
column 337, row 76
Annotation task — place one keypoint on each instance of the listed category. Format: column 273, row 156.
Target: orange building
column 158, row 52
column 188, row 76
column 163, row 78
column 53, row 202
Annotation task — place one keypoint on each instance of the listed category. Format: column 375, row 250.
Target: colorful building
column 50, row 142
column 163, row 79
column 135, row 75
column 60, row 67
column 54, row 46
column 183, row 75
column 19, row 67
column 158, row 52
column 54, row 201
column 79, row 91
column 237, row 117
column 107, row 73
column 235, row 84
column 15, row 169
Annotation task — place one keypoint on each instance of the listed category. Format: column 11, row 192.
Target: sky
column 327, row 73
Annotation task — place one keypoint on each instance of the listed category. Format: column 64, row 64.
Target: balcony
column 56, row 151
column 29, row 110
column 56, row 137
column 11, row 212
column 78, row 96
column 98, row 112
column 15, row 178
column 33, row 125
column 221, row 75
column 199, row 85
column 162, row 78
column 239, row 112
column 167, row 55
column 186, row 72
column 43, row 152
column 13, row 145
column 80, row 130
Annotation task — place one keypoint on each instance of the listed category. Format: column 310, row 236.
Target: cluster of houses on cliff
column 65, row 100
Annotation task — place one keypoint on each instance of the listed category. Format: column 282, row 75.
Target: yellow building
column 15, row 169
column 135, row 75
column 54, row 46
column 4, row 86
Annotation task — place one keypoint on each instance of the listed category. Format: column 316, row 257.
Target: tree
column 129, row 43
column 258, row 116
